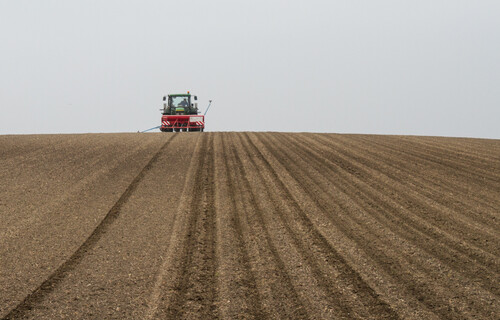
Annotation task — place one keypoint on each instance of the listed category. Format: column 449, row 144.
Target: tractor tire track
column 472, row 271
column 484, row 160
column 452, row 164
column 346, row 277
column 422, row 289
column 239, row 295
column 73, row 163
column 485, row 272
column 279, row 287
column 452, row 231
column 471, row 182
column 433, row 187
column 192, row 289
column 47, row 286
column 350, row 225
column 167, row 273
column 252, row 226
column 457, row 158
column 350, row 242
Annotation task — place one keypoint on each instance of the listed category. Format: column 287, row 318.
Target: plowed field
column 249, row 226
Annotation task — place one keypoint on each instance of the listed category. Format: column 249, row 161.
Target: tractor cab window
column 179, row 101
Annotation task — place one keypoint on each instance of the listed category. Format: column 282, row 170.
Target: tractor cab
column 179, row 104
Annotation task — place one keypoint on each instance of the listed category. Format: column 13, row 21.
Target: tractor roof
column 180, row 95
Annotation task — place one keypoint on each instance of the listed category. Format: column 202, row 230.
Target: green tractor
column 179, row 113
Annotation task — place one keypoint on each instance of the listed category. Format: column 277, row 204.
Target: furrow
column 47, row 286
column 434, row 187
column 469, row 184
column 195, row 289
column 448, row 253
column 430, row 293
column 478, row 176
column 14, row 223
column 273, row 280
column 166, row 294
column 340, row 230
column 249, row 226
column 464, row 154
column 429, row 145
column 349, row 293
column 239, row 296
column 432, row 212
column 465, row 148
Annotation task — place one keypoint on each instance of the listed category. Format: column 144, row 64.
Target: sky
column 426, row 67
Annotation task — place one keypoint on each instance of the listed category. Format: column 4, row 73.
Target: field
column 249, row 226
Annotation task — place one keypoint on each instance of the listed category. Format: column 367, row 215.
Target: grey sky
column 427, row 67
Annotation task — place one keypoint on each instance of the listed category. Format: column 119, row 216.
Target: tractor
column 180, row 113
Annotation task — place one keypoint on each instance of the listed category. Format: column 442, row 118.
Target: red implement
column 171, row 123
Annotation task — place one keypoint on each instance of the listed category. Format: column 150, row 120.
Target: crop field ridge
column 247, row 225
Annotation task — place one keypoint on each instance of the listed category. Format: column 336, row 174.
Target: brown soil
column 249, row 226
